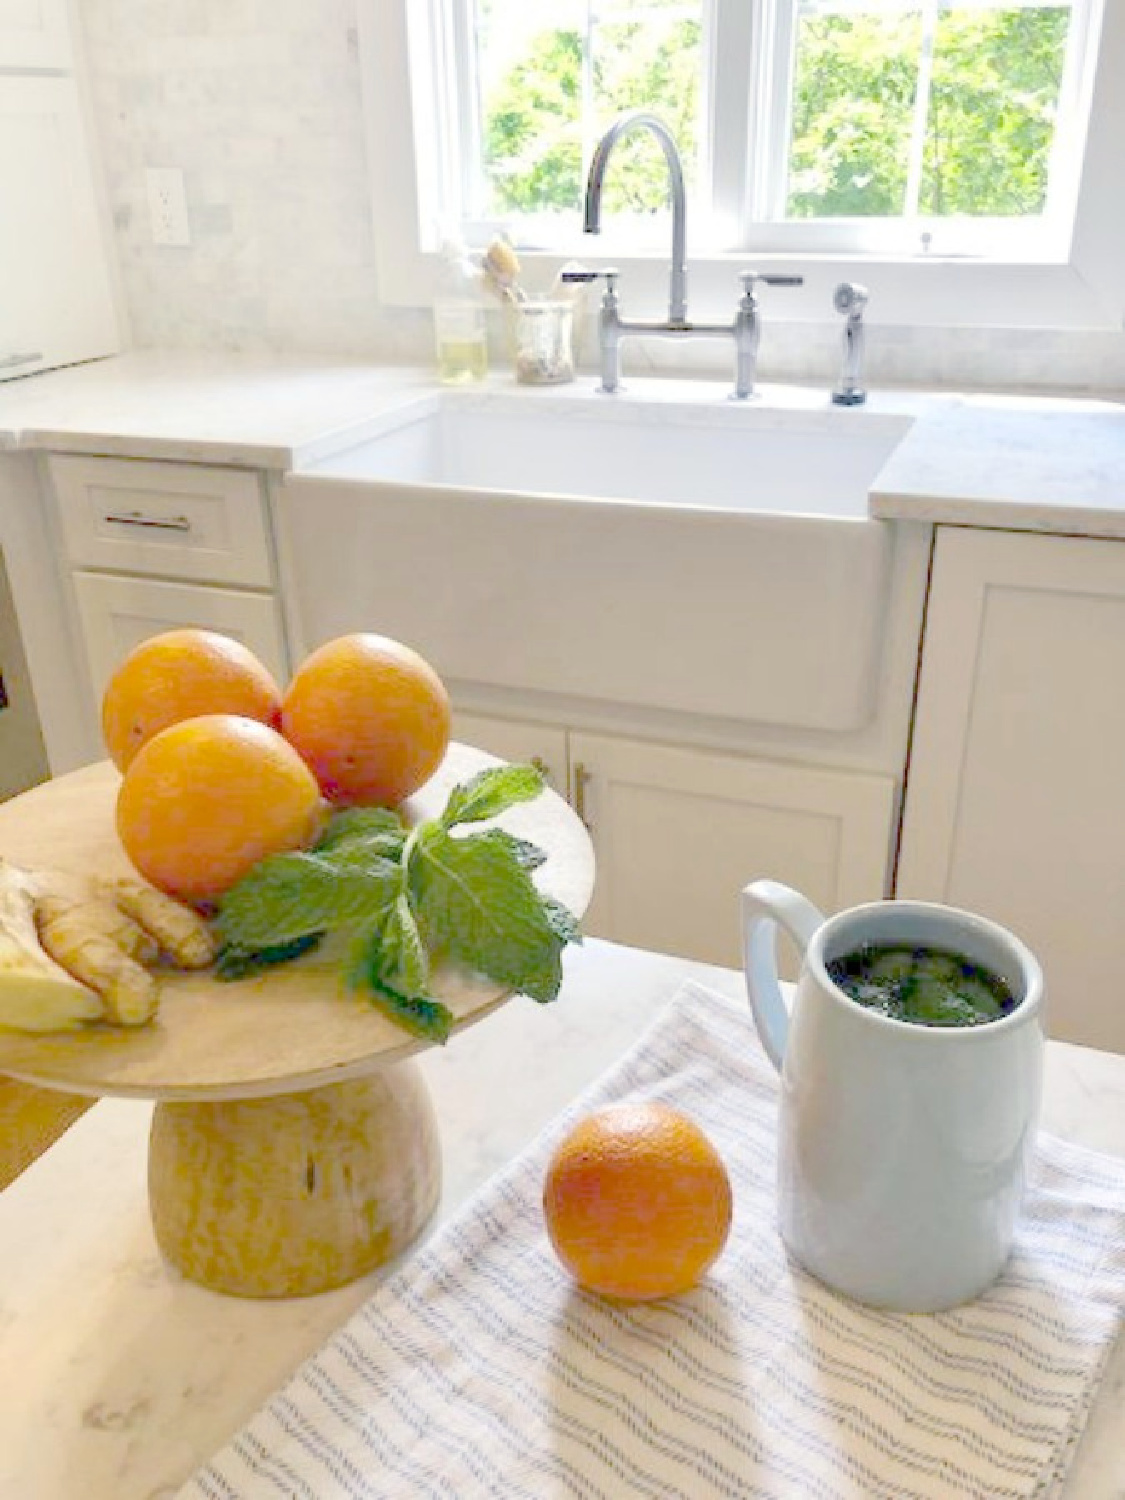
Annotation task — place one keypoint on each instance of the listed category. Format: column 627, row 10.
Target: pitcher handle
column 766, row 905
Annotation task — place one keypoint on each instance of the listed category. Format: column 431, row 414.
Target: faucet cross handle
column 584, row 277
column 750, row 279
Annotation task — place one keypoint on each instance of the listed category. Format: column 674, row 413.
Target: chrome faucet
column 624, row 125
column 850, row 299
column 612, row 327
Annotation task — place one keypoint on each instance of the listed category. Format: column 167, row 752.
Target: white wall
column 259, row 102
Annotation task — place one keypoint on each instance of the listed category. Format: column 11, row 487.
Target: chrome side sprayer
column 849, row 299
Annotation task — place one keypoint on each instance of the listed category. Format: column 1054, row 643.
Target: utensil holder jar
column 543, row 337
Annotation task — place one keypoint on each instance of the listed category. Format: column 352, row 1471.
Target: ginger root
column 97, row 939
column 35, row 993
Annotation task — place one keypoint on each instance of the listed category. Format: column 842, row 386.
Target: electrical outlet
column 167, row 206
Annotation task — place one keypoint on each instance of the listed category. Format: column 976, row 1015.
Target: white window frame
column 1075, row 282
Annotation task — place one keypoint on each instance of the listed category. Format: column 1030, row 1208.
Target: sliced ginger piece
column 36, row 994
column 94, row 940
column 91, row 939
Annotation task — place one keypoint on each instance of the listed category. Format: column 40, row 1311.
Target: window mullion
column 922, row 94
column 1077, row 79
column 730, row 27
column 772, row 90
column 465, row 153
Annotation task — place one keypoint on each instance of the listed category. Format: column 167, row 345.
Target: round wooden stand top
column 291, row 1029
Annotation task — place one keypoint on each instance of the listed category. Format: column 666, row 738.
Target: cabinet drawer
column 118, row 613
column 171, row 520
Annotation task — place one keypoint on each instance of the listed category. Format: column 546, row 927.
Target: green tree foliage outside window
column 533, row 121
column 992, row 114
column 988, row 132
column 989, row 127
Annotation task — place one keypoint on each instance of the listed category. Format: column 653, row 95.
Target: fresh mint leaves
column 238, row 963
column 289, row 896
column 476, row 903
column 407, row 898
column 491, row 792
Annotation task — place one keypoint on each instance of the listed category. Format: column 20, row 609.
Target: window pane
column 552, row 75
column 923, row 107
column 991, row 120
column 855, row 82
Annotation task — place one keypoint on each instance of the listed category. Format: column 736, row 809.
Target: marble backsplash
column 258, row 101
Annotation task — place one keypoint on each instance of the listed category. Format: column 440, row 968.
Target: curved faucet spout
column 624, row 125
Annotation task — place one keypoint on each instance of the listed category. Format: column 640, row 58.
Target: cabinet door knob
column 582, row 775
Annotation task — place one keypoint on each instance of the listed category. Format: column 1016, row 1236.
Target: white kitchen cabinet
column 34, row 34
column 542, row 745
column 678, row 832
column 41, row 598
column 173, row 520
column 116, row 614
column 152, row 546
column 1015, row 792
column 58, row 304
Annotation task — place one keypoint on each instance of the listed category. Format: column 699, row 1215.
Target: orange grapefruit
column 180, row 674
column 370, row 717
column 637, row 1202
column 204, row 800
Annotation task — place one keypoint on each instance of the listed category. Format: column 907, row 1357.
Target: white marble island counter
column 121, row 1379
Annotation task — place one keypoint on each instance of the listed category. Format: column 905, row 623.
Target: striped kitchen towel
column 478, row 1369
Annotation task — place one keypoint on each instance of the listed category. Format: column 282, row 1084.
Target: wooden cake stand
column 294, row 1146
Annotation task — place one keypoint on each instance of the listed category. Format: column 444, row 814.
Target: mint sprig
column 476, row 903
column 406, row 899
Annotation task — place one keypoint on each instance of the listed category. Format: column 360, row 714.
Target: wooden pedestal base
column 296, row 1193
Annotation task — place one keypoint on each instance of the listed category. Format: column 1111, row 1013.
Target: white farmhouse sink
column 684, row 556
column 722, row 456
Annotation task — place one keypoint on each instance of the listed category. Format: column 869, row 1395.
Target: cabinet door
column 1015, row 796
column 57, row 299
column 118, row 613
column 543, row 745
column 191, row 521
column 34, row 34
column 678, row 833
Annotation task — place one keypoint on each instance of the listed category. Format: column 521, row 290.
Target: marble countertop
column 267, row 412
column 128, row 1378
column 1020, row 462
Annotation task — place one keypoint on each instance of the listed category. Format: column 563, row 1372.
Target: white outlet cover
column 167, row 206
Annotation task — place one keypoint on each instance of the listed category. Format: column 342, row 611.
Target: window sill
column 930, row 291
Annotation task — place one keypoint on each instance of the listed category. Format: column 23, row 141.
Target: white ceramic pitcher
column 902, row 1149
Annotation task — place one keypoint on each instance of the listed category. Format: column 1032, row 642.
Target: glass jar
column 460, row 330
column 544, row 353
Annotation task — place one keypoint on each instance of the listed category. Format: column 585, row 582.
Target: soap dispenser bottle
column 460, row 330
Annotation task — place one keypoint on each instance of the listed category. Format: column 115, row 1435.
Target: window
column 856, row 123
column 974, row 138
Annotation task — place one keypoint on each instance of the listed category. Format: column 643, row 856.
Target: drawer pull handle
column 154, row 523
column 581, row 777
column 10, row 361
